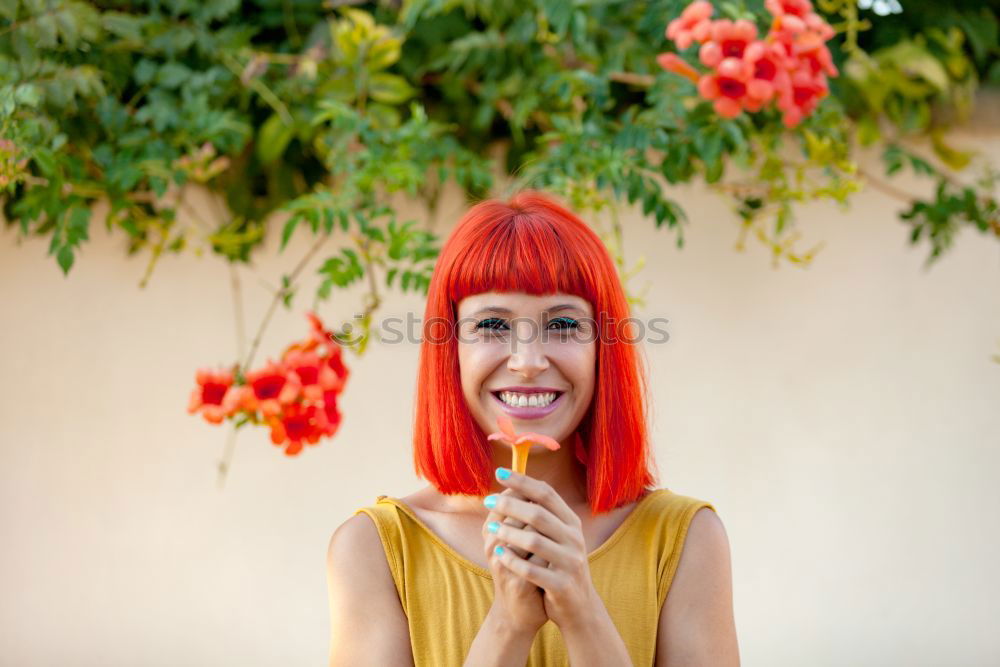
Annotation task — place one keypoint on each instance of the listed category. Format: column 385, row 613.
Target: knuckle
column 535, row 513
column 547, row 492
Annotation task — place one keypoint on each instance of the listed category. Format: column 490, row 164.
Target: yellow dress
column 446, row 597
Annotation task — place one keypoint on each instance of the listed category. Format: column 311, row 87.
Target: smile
column 528, row 405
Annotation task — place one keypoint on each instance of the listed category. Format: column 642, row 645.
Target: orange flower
column 727, row 86
column 692, row 25
column 727, row 39
column 329, row 417
column 312, row 374
column 212, row 397
column 788, row 66
column 295, row 426
column 521, row 443
column 296, row 397
column 770, row 75
column 269, row 389
column 800, row 8
column 318, row 333
column 673, row 63
column 336, row 363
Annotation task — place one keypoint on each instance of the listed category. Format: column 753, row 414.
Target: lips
column 529, row 390
column 529, row 412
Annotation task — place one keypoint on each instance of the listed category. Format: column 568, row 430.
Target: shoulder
column 706, row 543
column 356, row 541
column 367, row 621
column 696, row 622
column 357, row 536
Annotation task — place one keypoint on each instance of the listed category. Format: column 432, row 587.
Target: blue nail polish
column 490, row 501
column 498, row 550
column 503, row 473
column 493, row 526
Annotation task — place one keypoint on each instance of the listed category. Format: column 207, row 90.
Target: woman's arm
column 596, row 641
column 696, row 623
column 367, row 623
column 497, row 644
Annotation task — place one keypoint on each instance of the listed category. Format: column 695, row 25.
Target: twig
column 227, row 457
column 237, row 291
column 277, row 299
column 261, row 89
column 885, row 188
column 641, row 80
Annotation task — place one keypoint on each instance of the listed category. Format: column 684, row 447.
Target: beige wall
column 843, row 419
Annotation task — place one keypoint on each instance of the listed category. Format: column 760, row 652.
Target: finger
column 533, row 572
column 537, row 516
column 492, row 516
column 538, row 560
column 531, row 541
column 541, row 492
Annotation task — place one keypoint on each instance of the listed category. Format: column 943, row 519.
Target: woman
column 570, row 562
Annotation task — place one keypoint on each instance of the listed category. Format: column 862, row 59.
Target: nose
column 527, row 353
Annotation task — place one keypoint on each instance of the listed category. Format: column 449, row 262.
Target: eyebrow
column 508, row 311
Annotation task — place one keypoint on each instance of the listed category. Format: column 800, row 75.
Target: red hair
column 530, row 244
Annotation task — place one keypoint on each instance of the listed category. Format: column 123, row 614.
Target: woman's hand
column 516, row 600
column 569, row 598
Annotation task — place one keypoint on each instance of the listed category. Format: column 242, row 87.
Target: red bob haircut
column 530, row 244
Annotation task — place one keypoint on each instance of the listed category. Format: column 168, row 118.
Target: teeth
column 518, row 400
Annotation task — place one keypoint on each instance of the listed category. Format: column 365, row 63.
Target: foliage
column 323, row 110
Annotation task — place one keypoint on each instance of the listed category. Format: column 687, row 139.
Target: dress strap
column 386, row 519
column 666, row 527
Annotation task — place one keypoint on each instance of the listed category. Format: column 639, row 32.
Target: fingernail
column 503, row 473
column 498, row 550
column 490, row 501
column 493, row 526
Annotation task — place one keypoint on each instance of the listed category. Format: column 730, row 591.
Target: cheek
column 477, row 361
column 578, row 364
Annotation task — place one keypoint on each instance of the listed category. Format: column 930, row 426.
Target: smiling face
column 529, row 358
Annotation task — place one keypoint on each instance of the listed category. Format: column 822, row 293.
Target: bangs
column 522, row 247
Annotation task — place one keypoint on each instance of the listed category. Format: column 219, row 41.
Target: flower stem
column 227, row 457
column 520, row 462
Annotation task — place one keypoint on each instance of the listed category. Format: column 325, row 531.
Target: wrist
column 504, row 629
column 586, row 622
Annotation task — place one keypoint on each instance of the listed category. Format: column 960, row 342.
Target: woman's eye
column 565, row 323
column 491, row 323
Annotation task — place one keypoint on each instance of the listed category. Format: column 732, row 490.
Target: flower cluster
column 295, row 397
column 787, row 68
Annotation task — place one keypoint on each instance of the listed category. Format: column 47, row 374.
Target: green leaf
column 65, row 258
column 46, row 161
column 172, row 75
column 390, row 88
column 952, row 157
column 8, row 9
column 383, row 53
column 289, row 229
column 272, row 139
